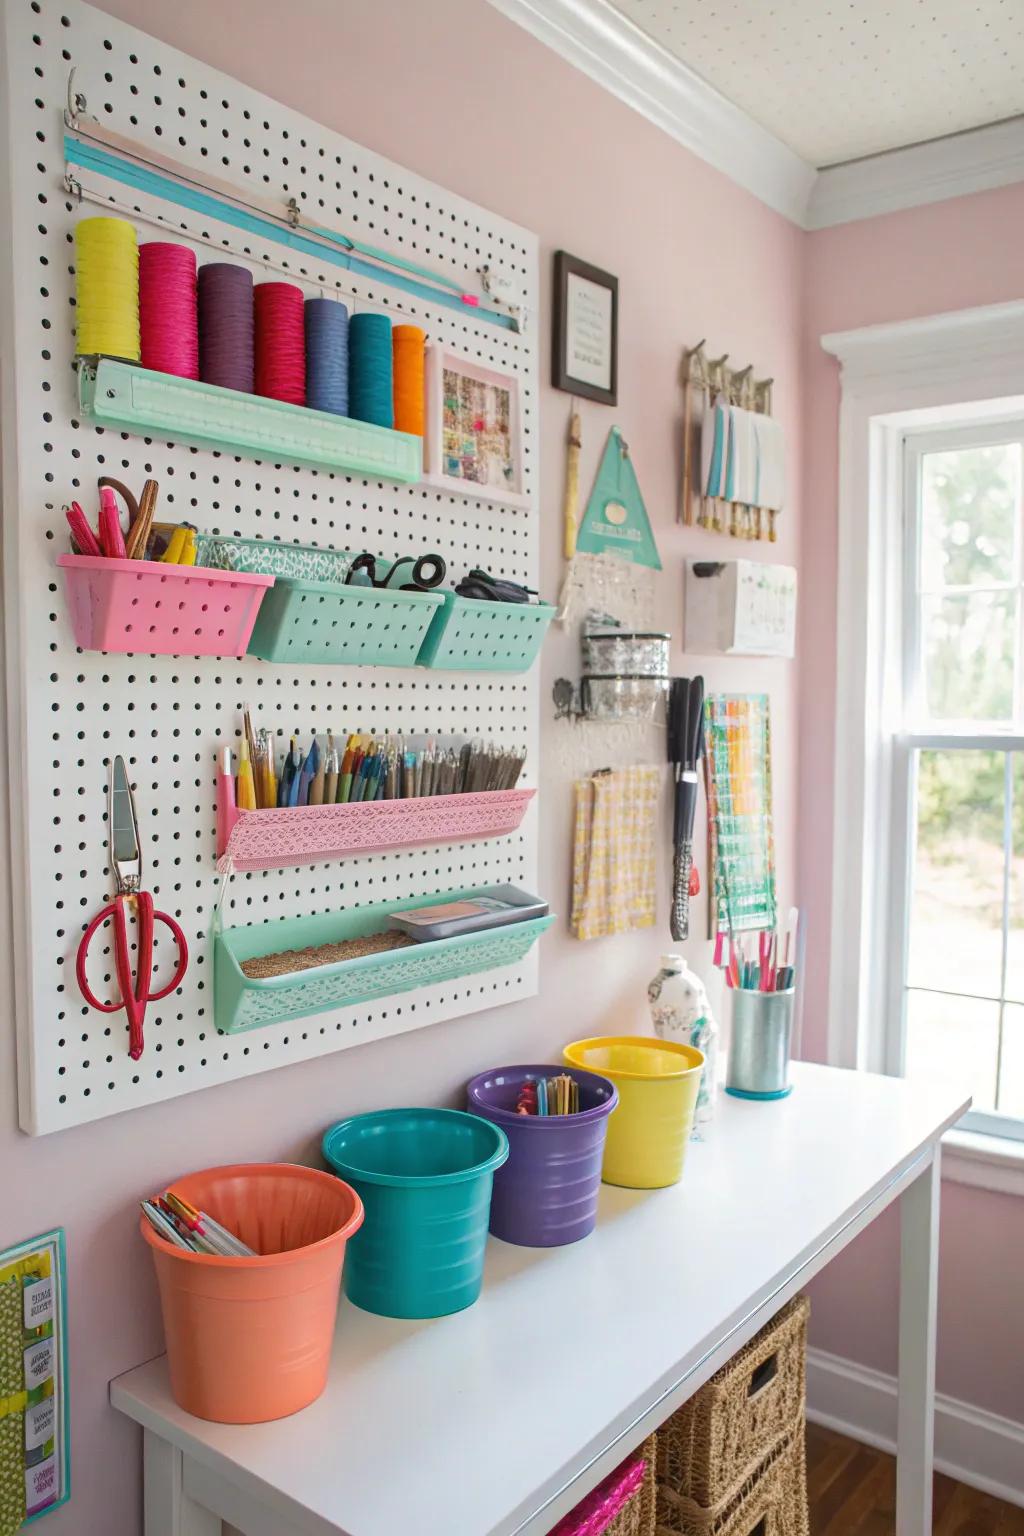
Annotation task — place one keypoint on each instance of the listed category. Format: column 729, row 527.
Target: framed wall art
column 585, row 339
column 474, row 438
column 34, row 1425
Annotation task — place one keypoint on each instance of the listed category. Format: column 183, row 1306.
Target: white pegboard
column 69, row 712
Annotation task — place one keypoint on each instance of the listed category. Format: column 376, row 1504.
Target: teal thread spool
column 370, row 370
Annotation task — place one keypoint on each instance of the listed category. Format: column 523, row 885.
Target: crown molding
column 618, row 55
column 604, row 44
column 932, row 347
column 954, row 166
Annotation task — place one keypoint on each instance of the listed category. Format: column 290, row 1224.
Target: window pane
column 967, row 649
column 1011, row 1067
column 969, row 503
column 954, row 1040
column 956, row 902
column 1015, row 931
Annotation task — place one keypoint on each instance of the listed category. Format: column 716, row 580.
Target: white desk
column 453, row 1427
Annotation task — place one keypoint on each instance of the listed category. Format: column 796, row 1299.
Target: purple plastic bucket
column 546, row 1194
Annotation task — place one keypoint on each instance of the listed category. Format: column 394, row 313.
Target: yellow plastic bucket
column 657, row 1082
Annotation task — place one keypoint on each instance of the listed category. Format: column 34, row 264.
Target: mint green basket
column 470, row 635
column 241, row 1003
column 320, row 621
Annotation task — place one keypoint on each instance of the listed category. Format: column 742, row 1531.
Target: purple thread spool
column 227, row 327
column 546, row 1194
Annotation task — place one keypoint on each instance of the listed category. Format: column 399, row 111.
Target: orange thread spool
column 408, row 342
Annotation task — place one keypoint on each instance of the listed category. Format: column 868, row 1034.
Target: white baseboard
column 979, row 1448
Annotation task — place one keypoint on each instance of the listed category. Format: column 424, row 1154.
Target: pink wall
column 952, row 255
column 456, row 92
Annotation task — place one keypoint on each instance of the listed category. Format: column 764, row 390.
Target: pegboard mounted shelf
column 136, row 399
column 243, row 1002
column 146, row 607
column 285, row 837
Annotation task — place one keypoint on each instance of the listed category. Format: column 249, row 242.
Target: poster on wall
column 585, row 343
column 34, row 1441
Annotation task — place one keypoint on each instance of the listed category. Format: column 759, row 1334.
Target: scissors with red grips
column 126, row 862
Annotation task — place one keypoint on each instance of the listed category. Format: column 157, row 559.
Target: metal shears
column 126, row 863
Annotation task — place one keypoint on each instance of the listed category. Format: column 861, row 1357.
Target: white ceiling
column 838, row 79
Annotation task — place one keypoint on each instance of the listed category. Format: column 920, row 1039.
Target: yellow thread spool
column 107, row 289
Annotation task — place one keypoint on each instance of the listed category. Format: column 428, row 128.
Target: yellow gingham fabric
column 613, row 877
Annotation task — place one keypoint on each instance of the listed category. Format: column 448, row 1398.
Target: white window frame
column 911, row 377
column 916, row 737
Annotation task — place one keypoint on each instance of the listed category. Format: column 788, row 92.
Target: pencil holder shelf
column 282, row 837
column 242, row 1002
column 324, row 622
column 155, row 609
column 471, row 635
column 138, row 399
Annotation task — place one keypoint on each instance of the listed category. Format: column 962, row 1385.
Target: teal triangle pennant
column 615, row 521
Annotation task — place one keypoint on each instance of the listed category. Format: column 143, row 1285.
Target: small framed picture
column 585, row 343
column 474, row 439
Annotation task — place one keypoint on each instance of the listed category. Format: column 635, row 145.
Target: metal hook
column 76, row 101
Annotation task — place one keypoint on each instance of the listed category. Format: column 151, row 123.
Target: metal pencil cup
column 762, row 1024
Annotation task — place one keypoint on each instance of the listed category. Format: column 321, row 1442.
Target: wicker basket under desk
column 771, row 1502
column 712, row 1444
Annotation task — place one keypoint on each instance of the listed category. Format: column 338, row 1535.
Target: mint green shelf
column 241, row 1003
column 324, row 622
column 137, row 399
column 470, row 635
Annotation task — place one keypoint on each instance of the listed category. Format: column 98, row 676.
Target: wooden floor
column 852, row 1489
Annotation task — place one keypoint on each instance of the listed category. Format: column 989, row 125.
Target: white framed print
column 473, row 443
column 585, row 339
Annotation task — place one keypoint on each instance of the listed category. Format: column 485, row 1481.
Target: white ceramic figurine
column 680, row 1011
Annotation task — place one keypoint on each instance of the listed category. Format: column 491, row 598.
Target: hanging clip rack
column 91, row 149
column 716, row 381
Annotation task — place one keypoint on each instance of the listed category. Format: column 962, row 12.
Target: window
column 956, row 960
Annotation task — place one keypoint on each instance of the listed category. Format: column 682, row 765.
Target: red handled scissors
column 126, row 862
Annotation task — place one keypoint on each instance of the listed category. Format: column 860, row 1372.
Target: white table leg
column 168, row 1509
column 919, row 1255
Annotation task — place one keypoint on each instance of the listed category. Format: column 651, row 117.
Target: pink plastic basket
column 277, row 839
column 595, row 1513
column 160, row 610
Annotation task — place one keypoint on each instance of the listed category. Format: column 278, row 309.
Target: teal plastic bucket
column 425, row 1178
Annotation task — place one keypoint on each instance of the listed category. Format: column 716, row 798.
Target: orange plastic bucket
column 250, row 1339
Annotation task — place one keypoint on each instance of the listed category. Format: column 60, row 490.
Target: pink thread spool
column 168, row 314
column 280, row 342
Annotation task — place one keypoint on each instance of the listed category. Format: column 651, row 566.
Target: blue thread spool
column 370, row 370
column 327, row 356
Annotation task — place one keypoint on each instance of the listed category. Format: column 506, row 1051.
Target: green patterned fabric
column 12, row 1423
column 272, row 557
